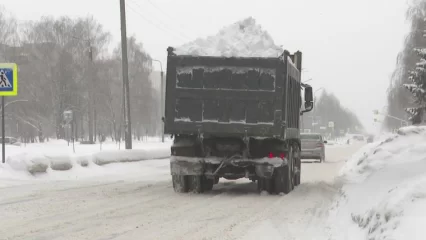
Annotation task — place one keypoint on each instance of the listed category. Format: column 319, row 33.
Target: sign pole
column 162, row 105
column 3, row 144
column 67, row 131
column 73, row 134
column 8, row 87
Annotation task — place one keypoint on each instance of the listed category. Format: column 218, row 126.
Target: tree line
column 328, row 109
column 64, row 65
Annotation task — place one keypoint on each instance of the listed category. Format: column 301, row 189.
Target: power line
column 160, row 20
column 182, row 36
column 154, row 24
column 163, row 12
column 173, row 19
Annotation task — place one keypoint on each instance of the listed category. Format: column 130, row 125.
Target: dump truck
column 235, row 117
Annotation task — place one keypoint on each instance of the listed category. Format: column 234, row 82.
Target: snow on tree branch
column 417, row 87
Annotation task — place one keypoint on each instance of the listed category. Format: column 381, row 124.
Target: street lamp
column 91, row 100
column 162, row 99
column 313, row 117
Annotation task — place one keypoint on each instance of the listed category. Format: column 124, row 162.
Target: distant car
column 312, row 146
column 10, row 141
column 358, row 137
column 370, row 139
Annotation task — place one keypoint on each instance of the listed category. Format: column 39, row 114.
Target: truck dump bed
column 232, row 96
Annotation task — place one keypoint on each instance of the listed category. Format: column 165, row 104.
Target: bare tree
column 140, row 66
column 69, row 68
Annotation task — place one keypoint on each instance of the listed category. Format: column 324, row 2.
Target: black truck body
column 233, row 118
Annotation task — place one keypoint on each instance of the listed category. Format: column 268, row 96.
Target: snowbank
column 384, row 189
column 58, row 156
column 107, row 157
column 241, row 39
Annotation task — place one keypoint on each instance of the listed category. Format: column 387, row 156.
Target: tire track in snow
column 65, row 211
column 144, row 210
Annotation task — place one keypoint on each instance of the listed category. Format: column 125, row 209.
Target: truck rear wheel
column 180, row 183
column 284, row 176
column 200, row 184
column 265, row 184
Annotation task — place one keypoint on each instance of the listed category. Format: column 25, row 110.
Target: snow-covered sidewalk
column 58, row 156
column 383, row 194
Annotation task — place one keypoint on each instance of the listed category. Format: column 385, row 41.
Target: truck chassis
column 198, row 163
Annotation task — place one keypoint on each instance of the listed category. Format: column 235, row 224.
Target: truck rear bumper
column 263, row 167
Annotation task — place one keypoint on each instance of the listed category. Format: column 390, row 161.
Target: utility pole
column 125, row 69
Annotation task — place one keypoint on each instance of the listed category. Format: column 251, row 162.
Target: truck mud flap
column 186, row 168
column 264, row 170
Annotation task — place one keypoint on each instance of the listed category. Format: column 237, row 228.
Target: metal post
column 90, row 94
column 73, row 134
column 68, row 133
column 3, row 144
column 162, row 101
column 125, row 70
column 313, row 117
column 162, row 105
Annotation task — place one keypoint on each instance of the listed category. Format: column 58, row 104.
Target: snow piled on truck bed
column 384, row 190
column 245, row 38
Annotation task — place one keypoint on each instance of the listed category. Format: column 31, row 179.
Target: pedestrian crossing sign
column 8, row 79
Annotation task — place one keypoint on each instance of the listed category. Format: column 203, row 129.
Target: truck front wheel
column 200, row 184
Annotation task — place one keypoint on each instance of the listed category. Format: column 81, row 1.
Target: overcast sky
column 349, row 47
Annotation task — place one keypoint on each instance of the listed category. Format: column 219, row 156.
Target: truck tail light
column 271, row 155
column 320, row 144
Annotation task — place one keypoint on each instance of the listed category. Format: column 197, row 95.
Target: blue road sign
column 8, row 79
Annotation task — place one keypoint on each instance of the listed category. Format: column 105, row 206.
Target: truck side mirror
column 308, row 94
column 309, row 99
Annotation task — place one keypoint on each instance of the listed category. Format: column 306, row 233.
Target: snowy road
column 145, row 207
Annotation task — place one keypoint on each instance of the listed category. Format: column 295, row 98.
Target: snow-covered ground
column 136, row 201
column 55, row 157
column 384, row 190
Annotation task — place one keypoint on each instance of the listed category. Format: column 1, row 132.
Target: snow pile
column 149, row 170
column 384, row 189
column 107, row 157
column 58, row 156
column 241, row 39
